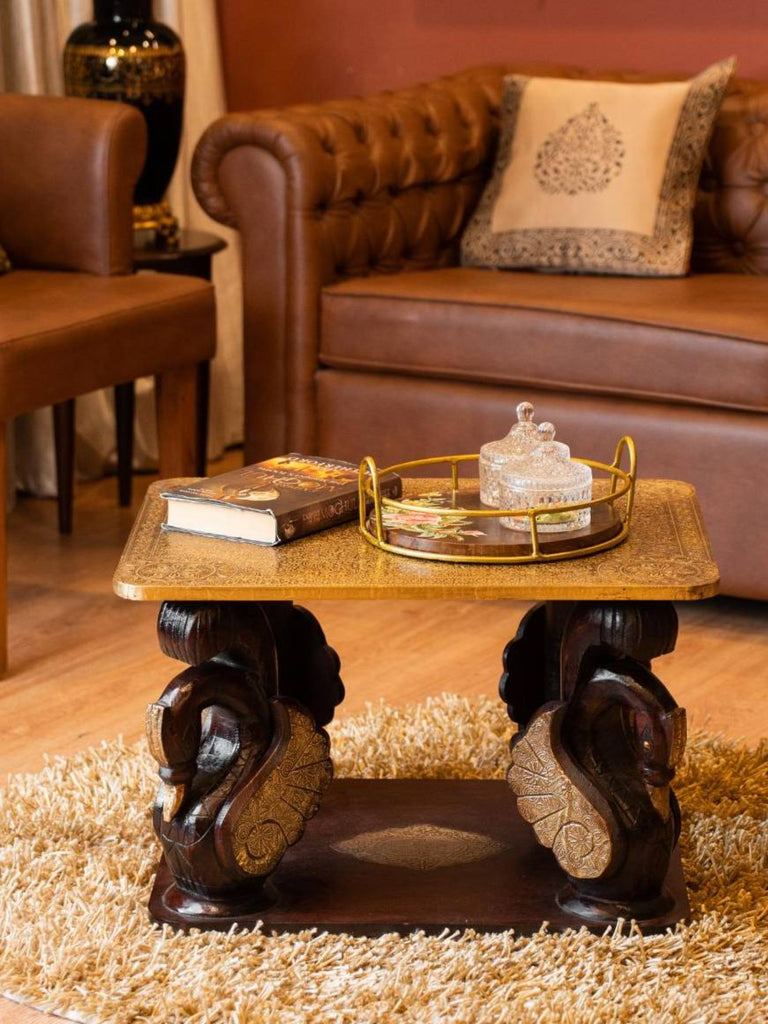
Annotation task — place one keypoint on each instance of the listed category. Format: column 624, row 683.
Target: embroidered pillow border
column 666, row 252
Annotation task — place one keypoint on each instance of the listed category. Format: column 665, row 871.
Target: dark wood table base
column 584, row 831
column 411, row 854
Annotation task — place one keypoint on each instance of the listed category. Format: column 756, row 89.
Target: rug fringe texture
column 77, row 856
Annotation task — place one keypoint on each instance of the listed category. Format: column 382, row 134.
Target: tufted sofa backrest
column 389, row 181
column 374, row 185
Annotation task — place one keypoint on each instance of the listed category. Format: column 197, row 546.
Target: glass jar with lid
column 547, row 476
column 494, row 455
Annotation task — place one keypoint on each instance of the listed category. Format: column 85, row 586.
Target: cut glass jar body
column 496, row 455
column 547, row 476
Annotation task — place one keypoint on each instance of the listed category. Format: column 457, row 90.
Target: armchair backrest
column 68, row 168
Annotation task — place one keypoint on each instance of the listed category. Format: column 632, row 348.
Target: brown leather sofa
column 73, row 318
column 363, row 335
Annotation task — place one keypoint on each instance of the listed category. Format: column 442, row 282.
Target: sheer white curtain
column 32, row 36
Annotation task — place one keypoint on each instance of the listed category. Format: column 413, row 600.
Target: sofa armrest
column 382, row 183
column 68, row 168
column 335, row 190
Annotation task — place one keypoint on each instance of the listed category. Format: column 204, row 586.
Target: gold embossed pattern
column 665, row 557
column 151, row 74
column 562, row 818
column 276, row 816
column 420, row 847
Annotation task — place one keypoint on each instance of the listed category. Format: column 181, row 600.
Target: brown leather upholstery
column 64, row 334
column 64, row 204
column 731, row 219
column 387, row 182
column 72, row 316
column 701, row 339
column 380, row 187
column 67, row 172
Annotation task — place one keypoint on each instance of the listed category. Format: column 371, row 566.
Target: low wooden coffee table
column 244, row 759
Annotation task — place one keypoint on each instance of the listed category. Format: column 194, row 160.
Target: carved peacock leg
column 531, row 662
column 243, row 760
column 592, row 767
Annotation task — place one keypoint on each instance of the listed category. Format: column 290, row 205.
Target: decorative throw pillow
column 596, row 177
column 5, row 263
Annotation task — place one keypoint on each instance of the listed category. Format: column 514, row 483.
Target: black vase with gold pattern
column 123, row 54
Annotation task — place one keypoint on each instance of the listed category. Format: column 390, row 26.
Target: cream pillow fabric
column 596, row 177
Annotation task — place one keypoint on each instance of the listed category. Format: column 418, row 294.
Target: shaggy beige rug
column 77, row 856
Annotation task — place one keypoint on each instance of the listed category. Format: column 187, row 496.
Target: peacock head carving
column 658, row 740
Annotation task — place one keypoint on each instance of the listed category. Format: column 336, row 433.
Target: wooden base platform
column 412, row 854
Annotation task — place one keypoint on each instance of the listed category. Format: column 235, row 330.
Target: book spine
column 327, row 512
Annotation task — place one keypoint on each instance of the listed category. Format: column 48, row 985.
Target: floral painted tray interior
column 448, row 521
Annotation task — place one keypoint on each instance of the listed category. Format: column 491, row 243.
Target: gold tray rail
column 369, row 486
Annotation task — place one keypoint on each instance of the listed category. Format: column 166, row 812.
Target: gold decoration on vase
column 158, row 217
column 147, row 74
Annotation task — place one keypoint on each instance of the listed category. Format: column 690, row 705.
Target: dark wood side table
column 193, row 258
column 244, row 759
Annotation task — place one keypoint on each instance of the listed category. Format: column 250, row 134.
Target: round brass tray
column 450, row 524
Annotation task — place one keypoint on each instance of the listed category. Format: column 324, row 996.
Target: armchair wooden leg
column 124, row 411
column 3, row 560
column 64, row 443
column 176, row 400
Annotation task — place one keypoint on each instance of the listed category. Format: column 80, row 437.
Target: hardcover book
column 271, row 502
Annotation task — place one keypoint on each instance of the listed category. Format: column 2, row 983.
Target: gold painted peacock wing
column 579, row 835
column 295, row 773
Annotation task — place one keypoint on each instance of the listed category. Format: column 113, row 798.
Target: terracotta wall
column 288, row 51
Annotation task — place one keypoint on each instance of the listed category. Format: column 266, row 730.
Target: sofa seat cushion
column 63, row 334
column 701, row 339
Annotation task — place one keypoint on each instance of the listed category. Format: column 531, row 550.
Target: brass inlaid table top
column 666, row 557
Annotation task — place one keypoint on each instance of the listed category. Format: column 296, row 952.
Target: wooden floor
column 83, row 664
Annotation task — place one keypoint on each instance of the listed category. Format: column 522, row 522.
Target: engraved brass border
column 369, row 488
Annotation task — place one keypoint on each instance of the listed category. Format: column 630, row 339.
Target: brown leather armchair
column 363, row 335
column 73, row 317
